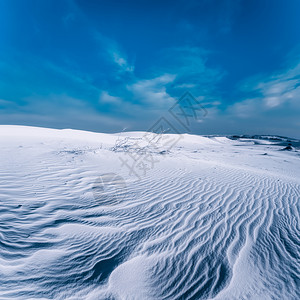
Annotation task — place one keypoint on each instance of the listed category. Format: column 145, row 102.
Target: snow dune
column 215, row 218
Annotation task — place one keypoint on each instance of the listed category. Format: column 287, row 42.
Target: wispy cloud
column 121, row 61
column 271, row 92
column 282, row 88
column 111, row 50
column 106, row 98
column 108, row 47
column 152, row 91
column 190, row 65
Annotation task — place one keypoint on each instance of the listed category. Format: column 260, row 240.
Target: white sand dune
column 214, row 218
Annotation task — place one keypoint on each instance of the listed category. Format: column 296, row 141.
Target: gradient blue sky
column 109, row 65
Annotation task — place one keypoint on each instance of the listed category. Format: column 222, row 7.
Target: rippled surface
column 195, row 227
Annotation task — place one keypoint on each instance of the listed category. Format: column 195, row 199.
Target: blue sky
column 113, row 65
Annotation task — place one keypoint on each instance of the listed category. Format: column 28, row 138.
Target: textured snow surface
column 215, row 218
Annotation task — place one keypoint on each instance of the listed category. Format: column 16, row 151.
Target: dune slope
column 208, row 218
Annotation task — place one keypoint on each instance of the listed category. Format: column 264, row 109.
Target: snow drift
column 214, row 218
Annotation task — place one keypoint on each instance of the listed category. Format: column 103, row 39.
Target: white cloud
column 108, row 46
column 122, row 62
column 281, row 88
column 248, row 108
column 106, row 98
column 191, row 69
column 272, row 92
column 153, row 91
column 112, row 52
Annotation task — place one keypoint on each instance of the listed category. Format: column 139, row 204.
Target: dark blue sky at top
column 107, row 65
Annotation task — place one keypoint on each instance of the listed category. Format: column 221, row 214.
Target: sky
column 109, row 66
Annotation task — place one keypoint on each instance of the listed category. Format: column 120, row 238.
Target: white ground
column 209, row 218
